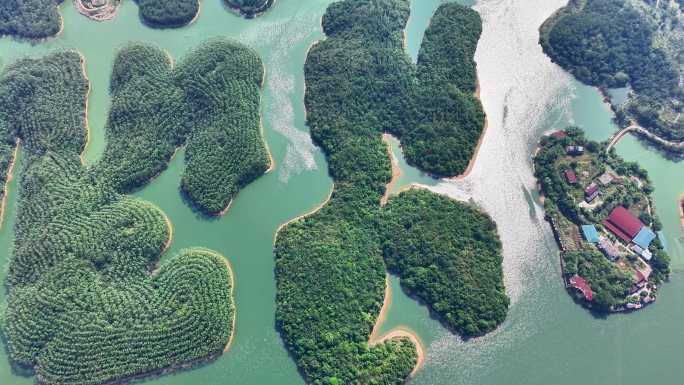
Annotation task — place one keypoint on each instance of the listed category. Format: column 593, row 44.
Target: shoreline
column 307, row 214
column 680, row 202
column 225, row 210
column 396, row 170
column 306, row 57
column 478, row 147
column 85, row 114
column 382, row 316
column 10, row 176
column 169, row 225
column 194, row 18
column 397, row 332
column 238, row 12
column 232, row 298
column 417, row 186
column 262, row 132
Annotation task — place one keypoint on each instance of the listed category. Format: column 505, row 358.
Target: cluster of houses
column 593, row 190
column 636, row 236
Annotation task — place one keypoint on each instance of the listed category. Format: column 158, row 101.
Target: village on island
column 612, row 248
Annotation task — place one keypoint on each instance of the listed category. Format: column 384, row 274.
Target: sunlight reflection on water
column 521, row 98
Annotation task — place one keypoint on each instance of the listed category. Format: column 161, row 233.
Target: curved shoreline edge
column 305, row 215
column 236, row 10
column 85, row 109
column 397, row 332
column 396, row 170
column 478, row 146
column 8, row 180
column 680, row 204
column 231, row 276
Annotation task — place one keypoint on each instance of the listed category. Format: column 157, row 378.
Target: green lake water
column 547, row 339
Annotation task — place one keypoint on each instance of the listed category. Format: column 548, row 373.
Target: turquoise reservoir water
column 547, row 339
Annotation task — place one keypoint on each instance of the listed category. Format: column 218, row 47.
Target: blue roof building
column 644, row 238
column 590, row 233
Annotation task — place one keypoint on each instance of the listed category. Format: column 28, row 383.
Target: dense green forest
column 33, row 19
column 360, row 83
column 430, row 108
column 250, row 8
column 611, row 43
column 168, row 13
column 87, row 302
column 443, row 250
column 209, row 102
column 450, row 118
column 176, row 13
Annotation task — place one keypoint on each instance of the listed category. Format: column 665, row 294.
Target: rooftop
column 606, row 178
column 590, row 233
column 644, row 238
column 592, row 188
column 580, row 283
column 623, row 224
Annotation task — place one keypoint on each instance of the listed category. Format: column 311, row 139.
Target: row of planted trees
column 209, row 102
column 87, row 303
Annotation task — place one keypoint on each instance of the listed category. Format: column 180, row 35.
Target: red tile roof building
column 592, row 188
column 570, row 176
column 623, row 224
column 559, row 134
column 581, row 284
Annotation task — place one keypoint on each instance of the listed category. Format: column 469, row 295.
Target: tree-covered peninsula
column 443, row 250
column 360, row 83
column 87, row 301
column 209, row 103
column 602, row 214
column 31, row 19
column 625, row 43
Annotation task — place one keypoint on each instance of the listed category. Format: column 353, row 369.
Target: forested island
column 87, row 301
column 39, row 19
column 177, row 13
column 250, row 8
column 638, row 44
column 602, row 214
column 360, row 84
column 31, row 19
column 209, row 103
